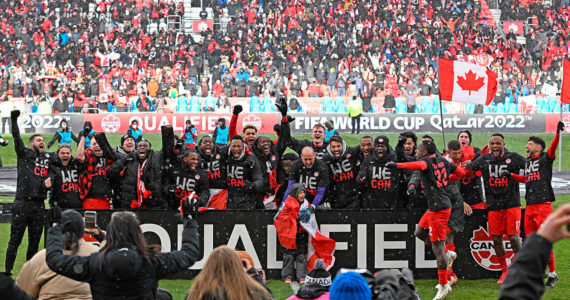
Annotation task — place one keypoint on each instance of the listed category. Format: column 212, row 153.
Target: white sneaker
column 442, row 291
column 451, row 257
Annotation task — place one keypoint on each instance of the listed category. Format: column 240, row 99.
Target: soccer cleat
column 451, row 256
column 442, row 291
column 502, row 278
column 453, row 280
column 551, row 281
column 287, row 281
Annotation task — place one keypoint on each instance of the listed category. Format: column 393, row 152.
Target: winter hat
column 125, row 137
column 381, row 140
column 468, row 134
column 73, row 222
column 319, row 275
column 296, row 189
column 290, row 156
column 350, row 286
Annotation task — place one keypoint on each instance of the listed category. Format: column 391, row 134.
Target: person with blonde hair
column 226, row 276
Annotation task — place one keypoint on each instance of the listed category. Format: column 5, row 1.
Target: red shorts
column 534, row 215
column 97, row 203
column 436, row 223
column 505, row 221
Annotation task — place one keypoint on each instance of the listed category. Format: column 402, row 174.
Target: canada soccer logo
column 251, row 120
column 110, row 123
column 566, row 121
column 483, row 252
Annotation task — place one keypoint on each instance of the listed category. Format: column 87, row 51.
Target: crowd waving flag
column 285, row 223
column 466, row 82
column 565, row 94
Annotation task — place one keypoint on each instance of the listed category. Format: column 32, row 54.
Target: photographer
column 125, row 267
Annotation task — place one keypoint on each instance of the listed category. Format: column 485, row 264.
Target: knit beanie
column 319, row 275
column 350, row 286
column 124, row 137
column 73, row 222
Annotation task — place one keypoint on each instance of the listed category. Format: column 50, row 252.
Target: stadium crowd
column 65, row 50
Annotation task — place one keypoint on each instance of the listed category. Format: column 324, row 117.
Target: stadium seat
column 194, row 104
column 488, row 109
column 552, row 103
column 339, row 104
column 182, row 106
column 267, row 104
column 210, row 102
column 401, row 106
column 327, row 105
column 539, row 103
column 500, row 108
column 512, row 108
column 425, row 105
column 469, row 108
column 255, row 104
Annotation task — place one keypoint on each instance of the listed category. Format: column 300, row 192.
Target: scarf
column 142, row 193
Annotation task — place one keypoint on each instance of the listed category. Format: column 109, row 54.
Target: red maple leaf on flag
column 470, row 82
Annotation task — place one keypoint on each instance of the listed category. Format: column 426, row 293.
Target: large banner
column 371, row 239
column 369, row 123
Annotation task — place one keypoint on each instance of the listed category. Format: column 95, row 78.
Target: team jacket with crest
column 343, row 172
column 501, row 193
column 33, row 169
column 182, row 182
column 314, row 179
column 382, row 185
column 240, row 173
column 215, row 167
column 65, row 184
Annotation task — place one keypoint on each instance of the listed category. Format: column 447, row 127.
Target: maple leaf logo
column 470, row 82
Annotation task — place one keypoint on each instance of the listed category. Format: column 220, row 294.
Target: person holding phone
column 126, row 267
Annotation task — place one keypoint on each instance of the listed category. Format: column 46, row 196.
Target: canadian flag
column 565, row 94
column 466, row 82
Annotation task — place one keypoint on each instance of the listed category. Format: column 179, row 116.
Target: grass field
column 464, row 289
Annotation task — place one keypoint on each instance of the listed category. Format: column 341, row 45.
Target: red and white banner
column 202, row 25
column 151, row 123
column 466, row 82
column 515, row 27
column 565, row 93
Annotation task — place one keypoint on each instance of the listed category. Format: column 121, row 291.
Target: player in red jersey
column 434, row 174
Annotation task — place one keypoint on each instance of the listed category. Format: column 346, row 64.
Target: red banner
column 202, row 25
column 482, row 59
column 515, row 27
column 552, row 122
column 151, row 122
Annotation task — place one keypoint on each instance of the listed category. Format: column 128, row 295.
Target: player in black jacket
column 186, row 179
column 343, row 170
column 502, row 194
column 313, row 174
column 382, row 186
column 318, row 143
column 539, row 194
column 243, row 175
column 65, row 177
column 32, row 186
column 213, row 162
column 435, row 172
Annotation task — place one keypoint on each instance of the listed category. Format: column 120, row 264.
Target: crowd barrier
column 369, row 123
column 371, row 239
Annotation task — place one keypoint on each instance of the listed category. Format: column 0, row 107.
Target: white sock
column 552, row 274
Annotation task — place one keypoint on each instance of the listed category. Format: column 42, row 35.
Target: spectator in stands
column 35, row 277
column 411, row 92
column 225, row 276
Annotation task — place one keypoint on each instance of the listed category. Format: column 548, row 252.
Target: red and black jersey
column 501, row 193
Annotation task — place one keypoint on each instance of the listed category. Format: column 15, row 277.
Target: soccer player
column 502, row 194
column 539, row 194
column 313, row 174
column 341, row 160
column 435, row 172
column 31, row 189
column 471, row 187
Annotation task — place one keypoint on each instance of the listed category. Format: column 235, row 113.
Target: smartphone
column 90, row 219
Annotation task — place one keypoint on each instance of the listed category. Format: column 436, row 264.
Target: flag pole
column 560, row 141
column 442, row 126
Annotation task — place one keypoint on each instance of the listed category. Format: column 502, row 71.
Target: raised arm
column 176, row 261
column 80, row 156
column 18, row 143
column 56, row 137
column 233, row 122
column 552, row 149
column 72, row 266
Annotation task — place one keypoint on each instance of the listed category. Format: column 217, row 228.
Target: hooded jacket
column 244, row 179
column 268, row 165
column 382, row 186
column 343, row 171
column 125, row 170
column 214, row 165
column 126, row 274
